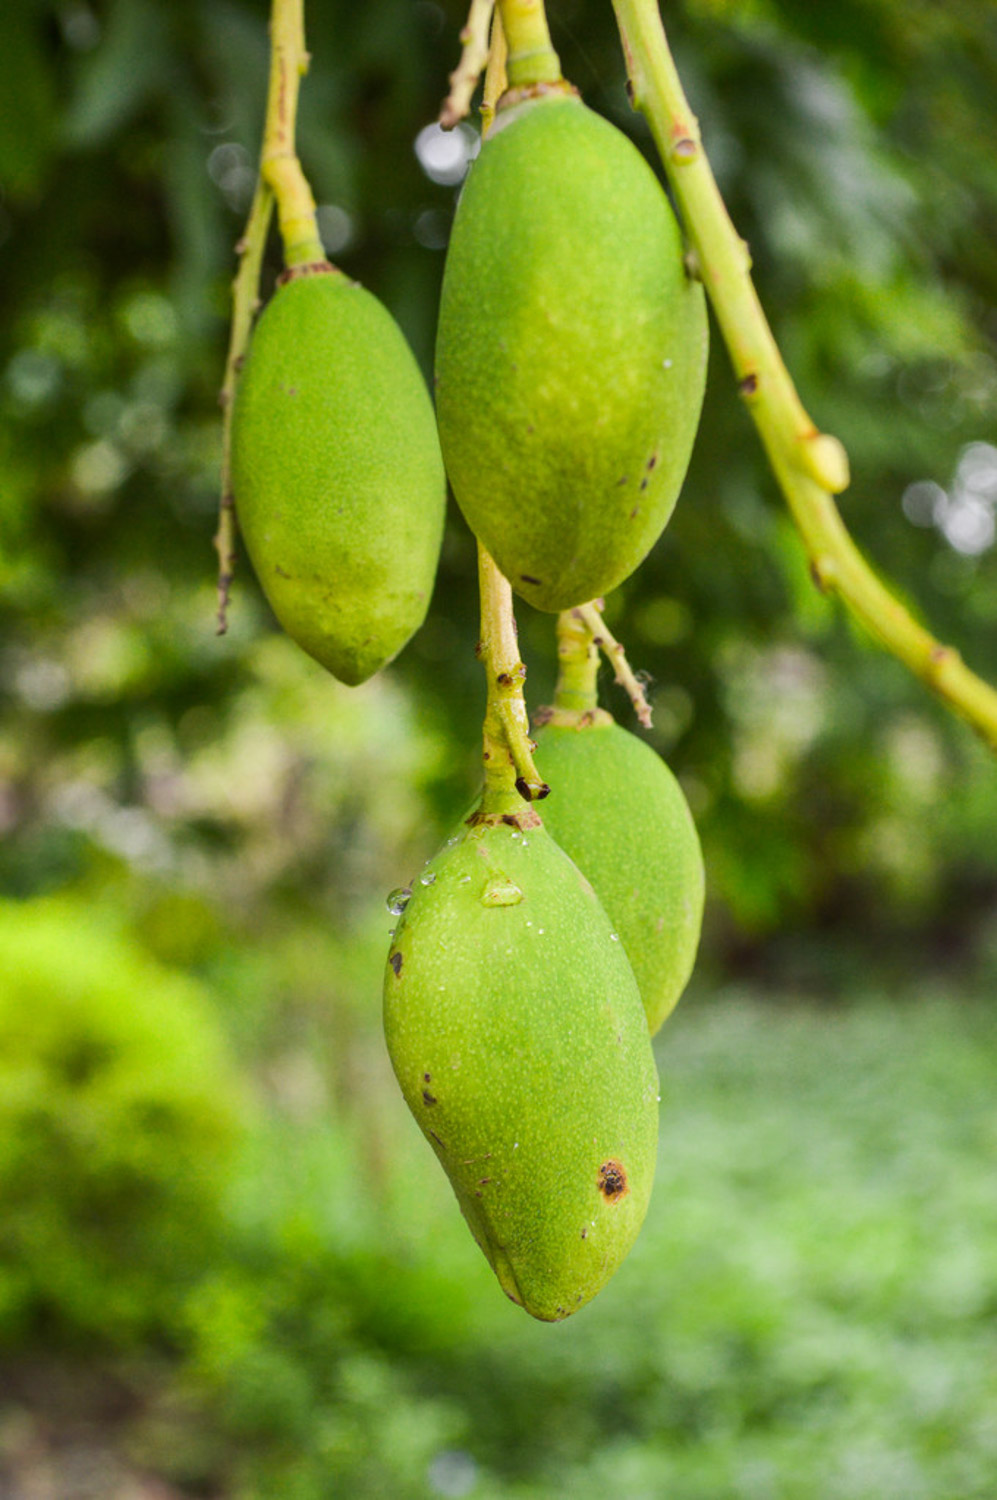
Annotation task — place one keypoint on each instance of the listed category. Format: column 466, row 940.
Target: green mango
column 571, row 353
column 337, row 473
column 618, row 811
column 516, row 1031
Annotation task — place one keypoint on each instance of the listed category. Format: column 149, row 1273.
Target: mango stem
column 810, row 467
column 532, row 58
column 508, row 749
column 577, row 665
column 279, row 164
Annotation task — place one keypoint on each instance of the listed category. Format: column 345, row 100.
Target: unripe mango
column 571, row 353
column 339, row 483
column 618, row 811
column 516, row 1032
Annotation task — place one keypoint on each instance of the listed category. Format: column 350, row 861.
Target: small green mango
column 571, row 353
column 516, row 1032
column 618, row 811
column 337, row 473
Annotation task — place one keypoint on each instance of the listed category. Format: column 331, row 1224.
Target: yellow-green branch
column 811, row 467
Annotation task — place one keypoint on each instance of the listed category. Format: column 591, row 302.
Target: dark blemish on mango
column 280, row 571
column 427, row 1097
column 634, row 513
column 396, row 963
column 643, row 484
column 528, row 578
column 585, row 1234
column 483, row 1180
column 621, row 481
column 612, row 1181
column 437, row 1140
column 652, row 461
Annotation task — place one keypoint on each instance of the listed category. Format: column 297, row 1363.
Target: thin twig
column 245, row 300
column 464, row 78
column 614, row 653
column 810, row 467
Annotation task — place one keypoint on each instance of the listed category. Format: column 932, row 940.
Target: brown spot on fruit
column 427, row 1097
column 528, row 578
column 613, row 1181
column 396, row 963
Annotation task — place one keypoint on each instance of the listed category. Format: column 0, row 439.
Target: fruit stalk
column 531, row 57
column 577, row 665
column 279, row 165
column 508, row 749
column 810, row 467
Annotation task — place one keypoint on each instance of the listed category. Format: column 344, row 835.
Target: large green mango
column 618, row 811
column 571, row 353
column 337, row 473
column 516, row 1031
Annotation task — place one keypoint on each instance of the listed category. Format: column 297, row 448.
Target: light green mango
column 618, row 811
column 516, row 1032
column 339, row 484
column 571, row 353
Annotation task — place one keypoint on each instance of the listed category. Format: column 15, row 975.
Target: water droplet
column 615, row 937
column 428, row 878
column 398, row 900
column 666, row 364
column 529, row 924
column 392, row 931
column 540, row 931
column 464, row 880
column 525, row 843
column 501, row 892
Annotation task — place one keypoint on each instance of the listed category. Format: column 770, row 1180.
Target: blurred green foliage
column 120, row 1113
column 229, row 1208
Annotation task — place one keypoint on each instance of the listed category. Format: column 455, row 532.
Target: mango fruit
column 338, row 479
column 571, row 352
column 516, row 1031
column 620, row 814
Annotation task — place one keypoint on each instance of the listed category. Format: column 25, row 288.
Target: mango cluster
column 536, row 958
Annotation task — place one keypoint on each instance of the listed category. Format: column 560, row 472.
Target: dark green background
column 180, row 809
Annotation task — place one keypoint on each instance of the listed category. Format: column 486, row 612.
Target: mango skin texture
column 337, row 473
column 618, row 811
column 516, row 1032
column 571, row 353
